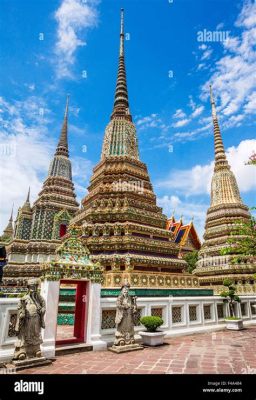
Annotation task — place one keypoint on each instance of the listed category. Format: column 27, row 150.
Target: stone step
column 70, row 348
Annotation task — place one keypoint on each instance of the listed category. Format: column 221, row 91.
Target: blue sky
column 168, row 69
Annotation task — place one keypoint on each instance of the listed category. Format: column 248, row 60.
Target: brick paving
column 222, row 352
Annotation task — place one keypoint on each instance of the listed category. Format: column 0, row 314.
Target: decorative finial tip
column 28, row 195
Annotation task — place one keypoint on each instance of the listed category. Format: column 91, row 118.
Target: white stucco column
column 50, row 292
column 94, row 318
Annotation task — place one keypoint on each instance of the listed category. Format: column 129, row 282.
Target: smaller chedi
column 125, row 314
column 30, row 321
column 225, row 211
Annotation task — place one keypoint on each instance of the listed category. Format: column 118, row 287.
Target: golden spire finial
column 220, row 156
column 28, row 196
column 122, row 34
column 62, row 148
column 214, row 112
column 67, row 105
column 11, row 217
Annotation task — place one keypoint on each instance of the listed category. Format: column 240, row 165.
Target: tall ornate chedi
column 38, row 229
column 225, row 211
column 122, row 226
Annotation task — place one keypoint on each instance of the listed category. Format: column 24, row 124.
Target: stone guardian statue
column 30, row 321
column 125, row 314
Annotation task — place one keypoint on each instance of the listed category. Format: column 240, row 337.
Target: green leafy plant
column 230, row 297
column 191, row 258
column 242, row 241
column 151, row 323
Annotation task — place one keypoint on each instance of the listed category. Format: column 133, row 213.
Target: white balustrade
column 181, row 316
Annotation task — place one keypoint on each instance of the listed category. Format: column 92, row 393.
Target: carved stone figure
column 30, row 320
column 126, row 310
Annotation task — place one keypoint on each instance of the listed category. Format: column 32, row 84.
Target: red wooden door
column 80, row 317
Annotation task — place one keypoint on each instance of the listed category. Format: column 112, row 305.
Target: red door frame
column 80, row 319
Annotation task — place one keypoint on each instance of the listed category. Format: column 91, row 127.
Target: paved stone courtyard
column 222, row 352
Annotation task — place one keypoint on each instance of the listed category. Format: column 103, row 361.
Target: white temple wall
column 181, row 315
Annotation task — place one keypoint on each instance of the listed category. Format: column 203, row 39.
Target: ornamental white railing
column 181, row 315
column 8, row 315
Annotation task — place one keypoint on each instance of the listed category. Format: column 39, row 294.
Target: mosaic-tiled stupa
column 39, row 228
column 225, row 211
column 122, row 226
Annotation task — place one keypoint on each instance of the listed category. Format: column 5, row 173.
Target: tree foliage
column 242, row 241
column 191, row 258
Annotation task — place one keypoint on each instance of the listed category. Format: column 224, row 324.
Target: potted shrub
column 152, row 337
column 233, row 322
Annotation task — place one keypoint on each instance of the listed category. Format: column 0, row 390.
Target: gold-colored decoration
column 122, row 226
column 38, row 229
column 225, row 210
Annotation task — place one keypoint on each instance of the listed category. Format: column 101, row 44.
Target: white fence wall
column 8, row 312
column 181, row 315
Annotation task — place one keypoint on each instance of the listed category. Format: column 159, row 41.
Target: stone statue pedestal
column 125, row 348
column 29, row 363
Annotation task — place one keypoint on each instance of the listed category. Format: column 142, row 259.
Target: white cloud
column 201, row 66
column 186, row 209
column 247, row 16
column 181, row 123
column 185, row 121
column 206, row 54
column 197, row 180
column 150, row 121
column 191, row 103
column 25, row 154
column 237, row 157
column 198, row 111
column 30, row 86
column 220, row 26
column 73, row 16
column 194, row 181
column 81, row 171
column 26, row 149
column 250, row 106
column 202, row 47
column 234, row 77
column 179, row 114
